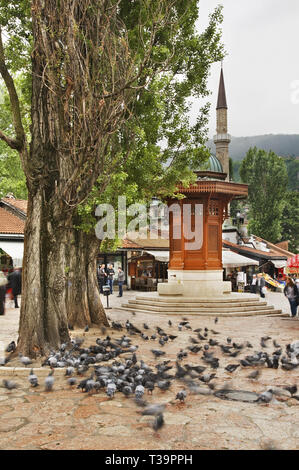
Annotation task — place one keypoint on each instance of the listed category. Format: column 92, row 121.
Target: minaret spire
column 221, row 93
column 222, row 139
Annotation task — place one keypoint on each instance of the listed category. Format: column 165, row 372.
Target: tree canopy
column 266, row 175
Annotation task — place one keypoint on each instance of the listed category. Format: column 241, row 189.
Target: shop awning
column 279, row 263
column 162, row 256
column 230, row 259
column 14, row 249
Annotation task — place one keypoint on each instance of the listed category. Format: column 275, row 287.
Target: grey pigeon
column 32, row 378
column 181, row 395
column 49, row 382
column 9, row 384
column 110, row 390
column 26, row 361
column 139, row 391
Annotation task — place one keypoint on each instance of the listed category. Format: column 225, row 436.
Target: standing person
column 253, row 284
column 121, row 279
column 110, row 274
column 292, row 293
column 102, row 277
column 261, row 285
column 3, row 283
column 15, row 279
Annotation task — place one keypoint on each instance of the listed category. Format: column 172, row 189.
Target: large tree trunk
column 43, row 319
column 84, row 304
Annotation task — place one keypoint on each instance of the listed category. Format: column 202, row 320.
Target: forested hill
column 282, row 144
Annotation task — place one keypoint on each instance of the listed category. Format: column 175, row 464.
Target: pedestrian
column 253, row 284
column 110, row 275
column 292, row 293
column 121, row 279
column 3, row 284
column 261, row 285
column 15, row 279
column 102, row 277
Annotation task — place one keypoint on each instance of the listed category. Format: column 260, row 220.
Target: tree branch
column 19, row 141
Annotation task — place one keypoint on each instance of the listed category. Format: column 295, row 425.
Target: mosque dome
column 214, row 165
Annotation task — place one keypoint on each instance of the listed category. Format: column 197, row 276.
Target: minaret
column 222, row 139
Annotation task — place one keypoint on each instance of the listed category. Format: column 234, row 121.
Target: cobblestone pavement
column 68, row 419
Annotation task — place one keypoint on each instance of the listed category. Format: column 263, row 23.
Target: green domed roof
column 214, row 164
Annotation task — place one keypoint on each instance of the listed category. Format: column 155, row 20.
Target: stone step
column 199, row 306
column 270, row 311
column 188, row 300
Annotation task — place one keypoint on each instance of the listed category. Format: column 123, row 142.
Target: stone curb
column 24, row 371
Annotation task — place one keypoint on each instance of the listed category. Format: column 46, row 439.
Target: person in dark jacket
column 15, row 279
column 102, row 275
column 110, row 275
column 261, row 284
column 292, row 293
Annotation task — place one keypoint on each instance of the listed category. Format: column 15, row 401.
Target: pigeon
column 181, row 395
column 275, row 344
column 72, row 381
column 292, row 389
column 3, row 361
column 265, row 397
column 25, row 360
column 9, row 384
column 216, row 320
column 69, row 371
column 194, row 349
column 254, row 375
column 149, row 385
column 157, row 352
column 110, row 390
column 169, row 322
column 139, row 392
column 11, row 347
column 49, row 382
column 32, row 378
column 232, row 367
column 164, row 384
column 127, row 391
column 158, row 422
column 86, row 329
column 145, row 326
column 207, row 377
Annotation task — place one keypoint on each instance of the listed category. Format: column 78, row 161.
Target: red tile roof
column 20, row 204
column 10, row 223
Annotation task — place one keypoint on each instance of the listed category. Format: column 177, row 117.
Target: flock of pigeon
column 133, row 378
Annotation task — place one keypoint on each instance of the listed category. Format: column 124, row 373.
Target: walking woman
column 292, row 293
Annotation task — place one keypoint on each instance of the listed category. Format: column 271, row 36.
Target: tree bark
column 84, row 306
column 43, row 320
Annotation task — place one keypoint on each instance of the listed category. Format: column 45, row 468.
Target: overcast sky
column 261, row 70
